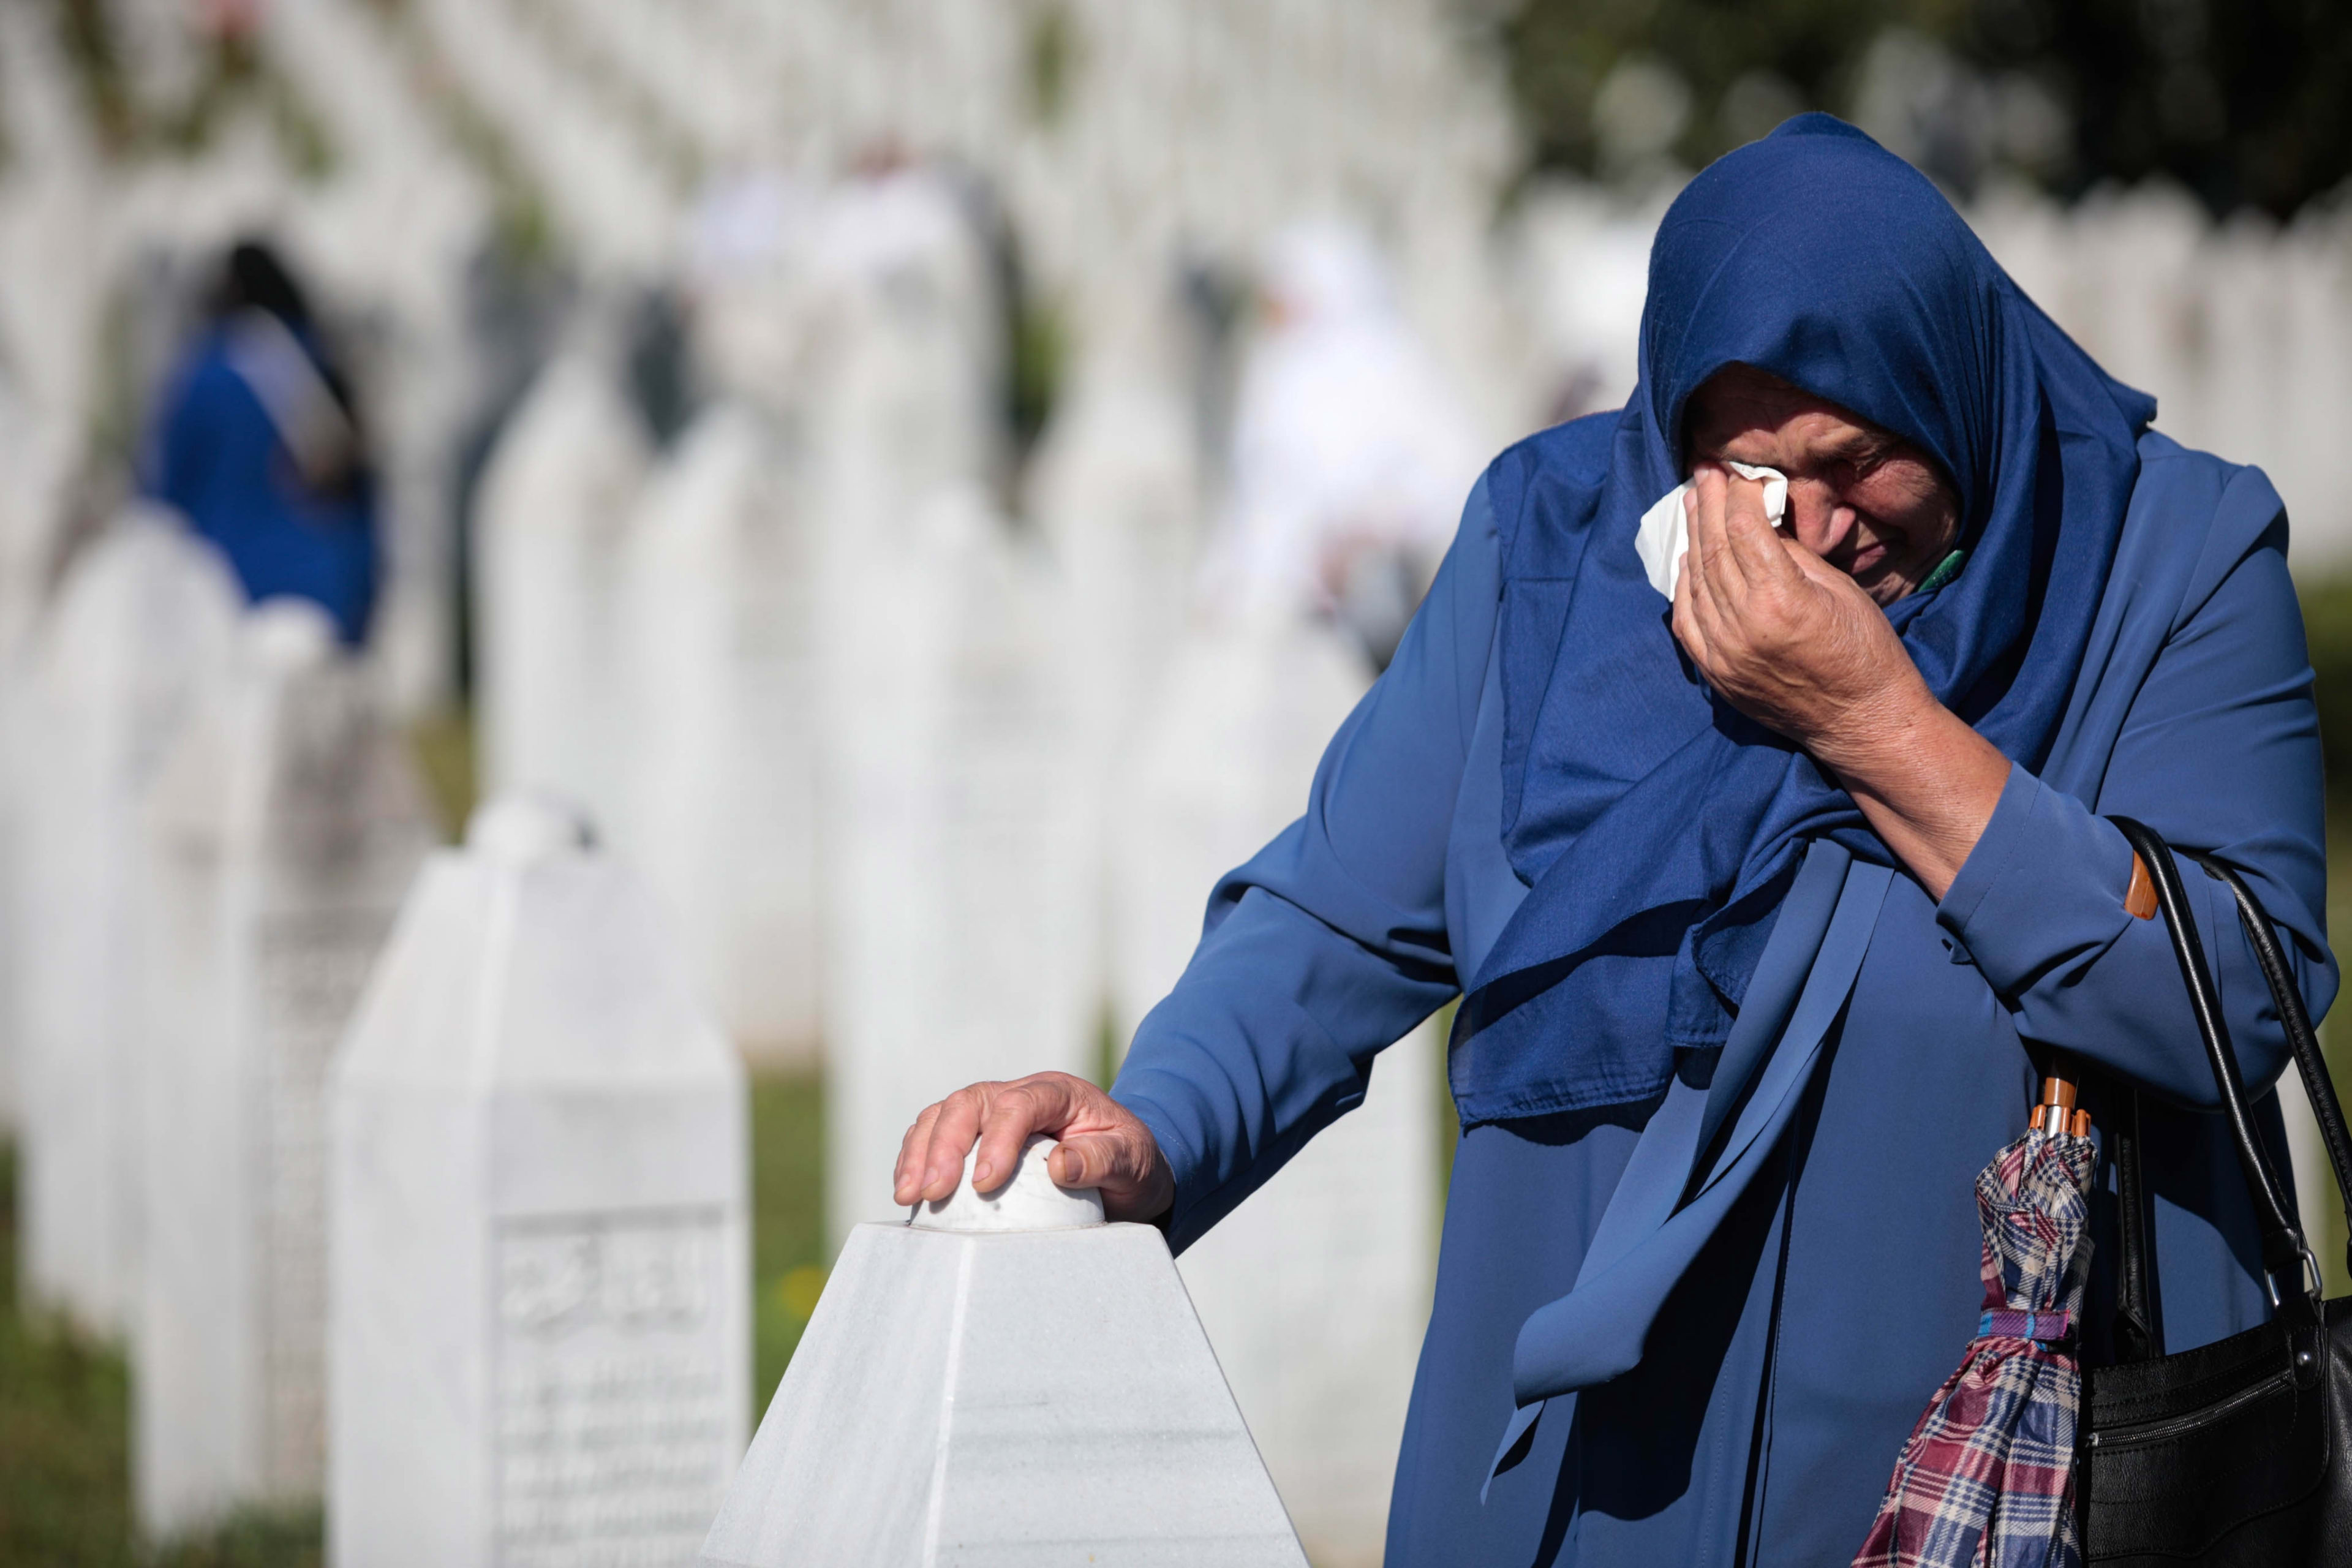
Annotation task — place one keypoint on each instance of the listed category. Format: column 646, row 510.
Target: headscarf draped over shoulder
column 1657, row 829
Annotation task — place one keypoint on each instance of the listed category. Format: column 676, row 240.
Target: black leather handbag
column 2238, row 1452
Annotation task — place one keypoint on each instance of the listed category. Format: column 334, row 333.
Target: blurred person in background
column 1348, row 457
column 257, row 440
column 1761, row 888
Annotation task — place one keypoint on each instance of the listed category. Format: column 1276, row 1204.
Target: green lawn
column 788, row 1251
column 65, row 1471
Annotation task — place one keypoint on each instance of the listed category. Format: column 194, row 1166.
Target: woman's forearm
column 1926, row 783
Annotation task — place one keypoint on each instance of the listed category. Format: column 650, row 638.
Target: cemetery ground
column 65, row 1429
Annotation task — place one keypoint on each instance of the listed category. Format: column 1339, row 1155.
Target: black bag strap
column 2283, row 1250
column 2318, row 1084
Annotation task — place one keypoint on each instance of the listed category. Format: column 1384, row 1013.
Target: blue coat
column 1839, row 1285
column 218, row 455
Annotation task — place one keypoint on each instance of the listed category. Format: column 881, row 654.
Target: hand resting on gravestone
column 1102, row 1144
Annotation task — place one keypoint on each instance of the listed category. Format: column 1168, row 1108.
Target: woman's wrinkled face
column 1863, row 499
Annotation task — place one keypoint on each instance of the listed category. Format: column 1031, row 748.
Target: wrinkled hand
column 1797, row 645
column 1787, row 638
column 1103, row 1144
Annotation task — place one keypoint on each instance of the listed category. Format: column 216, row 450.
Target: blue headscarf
column 1656, row 828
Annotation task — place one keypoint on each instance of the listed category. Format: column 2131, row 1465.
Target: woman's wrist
column 1926, row 783
column 1872, row 739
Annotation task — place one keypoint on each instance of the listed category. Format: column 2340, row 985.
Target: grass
column 65, row 1451
column 64, row 1430
column 788, row 1251
column 65, row 1399
column 442, row 745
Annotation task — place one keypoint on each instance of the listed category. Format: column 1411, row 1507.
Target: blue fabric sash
column 1703, row 1147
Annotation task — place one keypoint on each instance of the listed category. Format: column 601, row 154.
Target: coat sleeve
column 1330, row 944
column 2220, row 753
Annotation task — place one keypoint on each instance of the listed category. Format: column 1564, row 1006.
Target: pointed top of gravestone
column 1009, row 1398
column 1030, row 1200
column 524, row 826
column 519, row 960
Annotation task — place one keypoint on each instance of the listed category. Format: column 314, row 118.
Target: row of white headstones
column 211, row 831
column 864, row 737
column 966, row 773
column 948, row 784
column 413, row 1179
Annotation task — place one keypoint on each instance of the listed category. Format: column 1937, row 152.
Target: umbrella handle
column 2056, row 1112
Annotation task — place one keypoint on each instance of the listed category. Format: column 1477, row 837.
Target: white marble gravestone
column 952, row 885
column 1248, row 708
column 145, row 615
column 555, row 505
column 282, row 833
column 900, row 379
column 747, row 270
column 36, row 471
column 722, row 792
column 540, row 1330
column 1115, row 487
column 1003, row 1382
column 955, row 879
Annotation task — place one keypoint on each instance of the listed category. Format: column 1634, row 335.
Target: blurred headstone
column 1003, row 1380
column 146, row 614
column 952, row 881
column 2241, row 331
column 723, row 796
column 283, row 828
column 747, row 256
column 2315, row 302
column 955, row 883
column 905, row 361
column 1115, row 487
column 1349, row 465
column 555, row 504
column 38, row 461
column 1581, row 256
column 1245, row 714
column 2246, row 369
column 2137, row 298
column 541, row 1333
column 36, row 473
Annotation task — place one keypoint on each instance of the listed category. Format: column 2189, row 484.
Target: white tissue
column 1665, row 533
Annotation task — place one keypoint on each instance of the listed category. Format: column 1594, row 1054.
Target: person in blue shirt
column 255, row 441
column 1760, row 900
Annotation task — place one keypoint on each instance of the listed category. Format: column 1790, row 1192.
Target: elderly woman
column 1760, row 902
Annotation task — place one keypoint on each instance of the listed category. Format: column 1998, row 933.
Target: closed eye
column 1852, row 467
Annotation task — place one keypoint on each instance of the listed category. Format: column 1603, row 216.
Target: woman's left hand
column 1796, row 645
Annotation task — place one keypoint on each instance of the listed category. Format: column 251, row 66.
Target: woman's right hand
column 1103, row 1144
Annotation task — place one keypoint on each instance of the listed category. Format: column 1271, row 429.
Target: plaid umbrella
column 1987, row 1477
